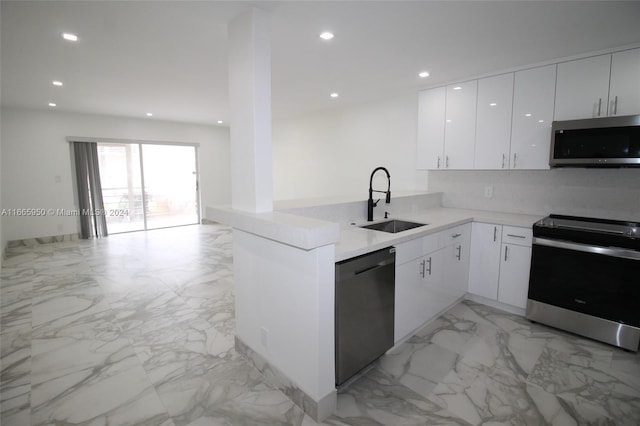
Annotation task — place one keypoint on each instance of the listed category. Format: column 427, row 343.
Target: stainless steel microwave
column 596, row 142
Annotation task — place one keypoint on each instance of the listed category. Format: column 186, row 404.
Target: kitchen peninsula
column 284, row 273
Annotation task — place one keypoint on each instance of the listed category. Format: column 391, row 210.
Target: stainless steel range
column 585, row 278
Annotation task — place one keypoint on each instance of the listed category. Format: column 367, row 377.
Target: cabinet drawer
column 408, row 251
column 431, row 243
column 517, row 235
column 454, row 234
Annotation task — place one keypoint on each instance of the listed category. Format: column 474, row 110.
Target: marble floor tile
column 378, row 399
column 558, row 411
column 15, row 376
column 228, row 393
column 139, row 312
column 89, row 374
column 418, row 365
column 626, row 362
column 480, row 394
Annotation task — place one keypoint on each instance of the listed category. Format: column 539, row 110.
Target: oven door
column 598, row 281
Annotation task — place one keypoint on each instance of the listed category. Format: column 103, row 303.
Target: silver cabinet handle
column 615, row 106
column 516, row 236
column 438, row 161
column 599, row 106
column 515, row 157
column 422, row 268
column 455, row 235
column 503, row 158
column 429, row 268
column 506, row 250
column 495, row 233
column 446, row 163
column 459, row 254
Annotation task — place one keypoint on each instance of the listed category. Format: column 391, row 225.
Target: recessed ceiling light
column 326, row 35
column 70, row 37
column 457, row 88
column 540, row 121
column 220, row 121
column 493, row 104
column 423, row 74
column 149, row 114
column 57, row 83
column 527, row 115
column 334, row 95
column 51, row 104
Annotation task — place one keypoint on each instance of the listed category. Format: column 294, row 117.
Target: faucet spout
column 371, row 204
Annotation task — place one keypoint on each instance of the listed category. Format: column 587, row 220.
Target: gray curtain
column 93, row 222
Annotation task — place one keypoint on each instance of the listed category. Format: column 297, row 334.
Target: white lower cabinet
column 500, row 263
column 416, row 280
column 431, row 274
column 486, row 240
column 514, row 275
column 456, row 262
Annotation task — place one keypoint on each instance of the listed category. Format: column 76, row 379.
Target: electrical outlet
column 488, row 192
column 264, row 337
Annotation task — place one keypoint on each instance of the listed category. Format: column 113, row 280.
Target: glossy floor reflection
column 138, row 329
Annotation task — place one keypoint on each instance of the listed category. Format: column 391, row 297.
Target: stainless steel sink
column 393, row 226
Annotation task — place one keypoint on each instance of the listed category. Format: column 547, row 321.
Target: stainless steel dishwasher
column 365, row 297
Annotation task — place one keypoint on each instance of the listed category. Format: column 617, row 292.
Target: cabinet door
column 460, row 125
column 533, row 100
column 409, row 295
column 431, row 116
column 493, row 126
column 435, row 296
column 624, row 91
column 457, row 263
column 484, row 264
column 514, row 275
column 582, row 89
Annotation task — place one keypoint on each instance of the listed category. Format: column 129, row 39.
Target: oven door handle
column 606, row 251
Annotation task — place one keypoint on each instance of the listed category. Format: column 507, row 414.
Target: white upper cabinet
column 582, row 89
column 493, row 125
column 504, row 121
column 533, row 101
column 460, row 125
column 624, row 91
column 431, row 116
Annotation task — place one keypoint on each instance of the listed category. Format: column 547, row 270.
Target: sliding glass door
column 170, row 185
column 147, row 186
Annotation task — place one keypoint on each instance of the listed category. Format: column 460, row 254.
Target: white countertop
column 297, row 231
column 309, row 233
column 355, row 241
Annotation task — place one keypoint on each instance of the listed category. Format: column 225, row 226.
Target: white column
column 250, row 112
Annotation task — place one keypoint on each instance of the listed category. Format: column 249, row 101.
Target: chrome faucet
column 371, row 204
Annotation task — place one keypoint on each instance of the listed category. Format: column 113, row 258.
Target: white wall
column 334, row 152
column 2, row 239
column 35, row 151
column 605, row 193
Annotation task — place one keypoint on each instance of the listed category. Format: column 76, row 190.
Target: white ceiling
column 169, row 58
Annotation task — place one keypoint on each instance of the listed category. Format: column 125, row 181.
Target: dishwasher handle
column 369, row 262
column 378, row 265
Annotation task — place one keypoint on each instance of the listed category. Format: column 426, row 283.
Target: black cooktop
column 585, row 230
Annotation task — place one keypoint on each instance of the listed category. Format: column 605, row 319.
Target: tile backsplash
column 604, row 193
